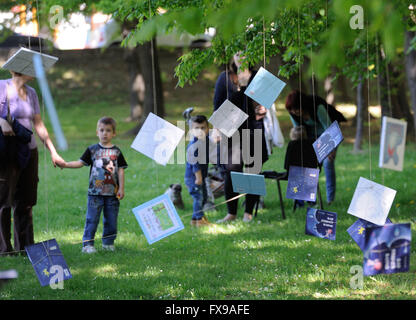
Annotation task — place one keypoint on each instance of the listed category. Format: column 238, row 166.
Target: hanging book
column 157, row 139
column 321, row 223
column 302, row 183
column 387, row 249
column 158, row 218
column 392, row 143
column 358, row 230
column 371, row 201
column 228, row 118
column 248, row 183
column 48, row 262
column 264, row 88
column 328, row 141
column 22, row 62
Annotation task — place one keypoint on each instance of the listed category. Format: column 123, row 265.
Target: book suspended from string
column 265, row 88
column 22, row 62
column 328, row 141
column 392, row 143
column 321, row 223
column 157, row 139
column 48, row 262
column 302, row 183
column 387, row 249
column 158, row 218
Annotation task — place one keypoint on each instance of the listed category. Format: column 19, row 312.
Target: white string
column 300, row 89
column 378, row 90
column 264, row 45
column 45, row 169
column 154, row 84
column 368, row 103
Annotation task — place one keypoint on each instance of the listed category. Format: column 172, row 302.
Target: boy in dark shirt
column 106, row 185
column 197, row 168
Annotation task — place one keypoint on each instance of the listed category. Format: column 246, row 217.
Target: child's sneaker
column 108, row 247
column 88, row 249
column 202, row 222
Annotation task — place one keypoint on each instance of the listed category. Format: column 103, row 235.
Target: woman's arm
column 323, row 117
column 44, row 136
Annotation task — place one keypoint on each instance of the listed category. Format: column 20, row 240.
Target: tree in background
column 146, row 90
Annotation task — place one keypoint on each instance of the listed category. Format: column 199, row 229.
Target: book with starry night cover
column 47, row 260
column 321, row 223
column 358, row 229
column 328, row 141
column 387, row 249
column 302, row 183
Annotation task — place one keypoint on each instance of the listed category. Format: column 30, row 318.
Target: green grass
column 269, row 258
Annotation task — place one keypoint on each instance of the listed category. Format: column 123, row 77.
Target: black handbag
column 15, row 148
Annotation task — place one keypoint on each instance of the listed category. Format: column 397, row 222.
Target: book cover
column 248, row 183
column 45, row 257
column 302, row 183
column 387, row 249
column 321, row 223
column 264, row 88
column 328, row 141
column 392, row 143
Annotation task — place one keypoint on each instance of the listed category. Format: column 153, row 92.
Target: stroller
column 214, row 181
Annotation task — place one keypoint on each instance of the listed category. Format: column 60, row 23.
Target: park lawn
column 269, row 258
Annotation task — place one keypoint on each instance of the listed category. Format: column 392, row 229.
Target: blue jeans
column 199, row 197
column 95, row 205
column 329, row 167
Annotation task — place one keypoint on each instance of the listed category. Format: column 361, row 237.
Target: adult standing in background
column 316, row 116
column 256, row 113
column 18, row 182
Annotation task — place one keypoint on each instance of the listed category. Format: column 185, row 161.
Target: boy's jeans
column 110, row 204
column 329, row 167
column 199, row 197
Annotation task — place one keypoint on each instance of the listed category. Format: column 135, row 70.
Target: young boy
column 106, row 185
column 196, row 170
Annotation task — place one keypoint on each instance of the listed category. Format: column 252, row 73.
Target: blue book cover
column 321, row 223
column 358, row 229
column 264, row 88
column 248, row 183
column 43, row 256
column 387, row 249
column 328, row 141
column 302, row 183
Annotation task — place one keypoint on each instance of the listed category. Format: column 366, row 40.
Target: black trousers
column 18, row 192
column 232, row 206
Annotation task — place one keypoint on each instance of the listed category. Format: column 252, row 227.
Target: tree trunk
column 410, row 63
column 361, row 110
column 146, row 88
column 153, row 100
column 384, row 84
column 330, row 97
column 136, row 84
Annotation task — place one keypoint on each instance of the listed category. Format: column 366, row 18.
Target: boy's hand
column 120, row 194
column 198, row 177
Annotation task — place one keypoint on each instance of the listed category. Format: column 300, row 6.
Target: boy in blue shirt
column 197, row 168
column 106, row 185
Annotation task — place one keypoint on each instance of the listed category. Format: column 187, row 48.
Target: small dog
column 175, row 195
